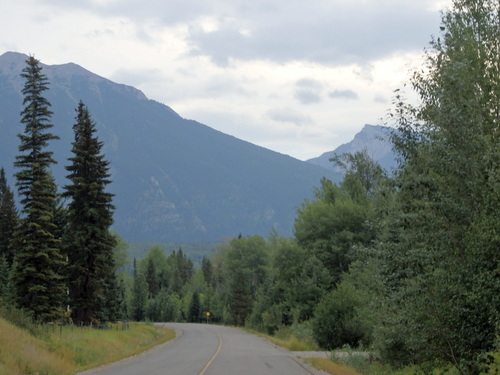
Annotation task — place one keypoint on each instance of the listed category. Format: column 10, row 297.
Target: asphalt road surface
column 202, row 349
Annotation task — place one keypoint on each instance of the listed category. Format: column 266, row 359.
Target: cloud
column 317, row 31
column 137, row 77
column 379, row 98
column 308, row 91
column 307, row 96
column 288, row 115
column 328, row 32
column 343, row 94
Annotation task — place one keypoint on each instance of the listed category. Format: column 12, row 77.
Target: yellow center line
column 213, row 357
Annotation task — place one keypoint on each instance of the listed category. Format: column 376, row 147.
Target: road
column 202, row 349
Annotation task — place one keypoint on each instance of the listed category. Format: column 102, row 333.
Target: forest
column 404, row 264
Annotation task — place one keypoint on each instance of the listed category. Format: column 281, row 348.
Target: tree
column 139, row 297
column 88, row 241
column 442, row 264
column 152, row 279
column 361, row 165
column 39, row 271
column 207, row 269
column 182, row 270
column 8, row 220
column 336, row 221
column 194, row 308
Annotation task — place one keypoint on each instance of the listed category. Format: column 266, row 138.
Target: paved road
column 203, row 349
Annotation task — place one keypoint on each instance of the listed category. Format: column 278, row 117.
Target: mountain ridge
column 375, row 139
column 174, row 179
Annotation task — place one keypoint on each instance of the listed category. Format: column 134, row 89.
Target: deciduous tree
column 443, row 260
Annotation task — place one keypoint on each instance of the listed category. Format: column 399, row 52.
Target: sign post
column 207, row 315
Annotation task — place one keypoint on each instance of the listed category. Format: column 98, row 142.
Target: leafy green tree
column 363, row 167
column 38, row 275
column 330, row 226
column 442, row 263
column 88, row 242
column 246, row 263
column 349, row 314
column 335, row 323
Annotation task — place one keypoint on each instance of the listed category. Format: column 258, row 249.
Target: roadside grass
column 352, row 363
column 293, row 343
column 346, row 361
column 288, row 339
column 330, row 367
column 65, row 350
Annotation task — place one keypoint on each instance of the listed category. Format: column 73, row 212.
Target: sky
column 299, row 77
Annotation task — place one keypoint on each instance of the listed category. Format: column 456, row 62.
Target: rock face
column 376, row 141
column 174, row 180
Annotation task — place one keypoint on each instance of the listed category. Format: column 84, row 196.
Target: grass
column 331, row 367
column 288, row 340
column 67, row 350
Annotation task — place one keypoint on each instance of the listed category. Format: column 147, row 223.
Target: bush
column 336, row 322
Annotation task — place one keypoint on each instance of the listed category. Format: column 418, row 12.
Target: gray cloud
column 308, row 91
column 307, row 96
column 288, row 115
column 343, row 94
column 331, row 36
column 309, row 83
column 333, row 33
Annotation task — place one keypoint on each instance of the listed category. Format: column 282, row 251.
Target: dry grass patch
column 67, row 350
column 22, row 354
column 330, row 367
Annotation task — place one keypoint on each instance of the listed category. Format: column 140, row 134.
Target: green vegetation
column 37, row 270
column 65, row 350
column 87, row 240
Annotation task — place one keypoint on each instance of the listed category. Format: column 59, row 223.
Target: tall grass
column 55, row 350
column 295, row 338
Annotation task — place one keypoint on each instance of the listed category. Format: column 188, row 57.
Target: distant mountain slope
column 376, row 141
column 175, row 180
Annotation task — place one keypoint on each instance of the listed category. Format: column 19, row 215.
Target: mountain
column 372, row 137
column 174, row 180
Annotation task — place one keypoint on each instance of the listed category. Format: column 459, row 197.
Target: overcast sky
column 299, row 77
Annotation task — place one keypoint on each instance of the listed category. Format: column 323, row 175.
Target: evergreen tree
column 139, row 297
column 3, row 184
column 88, row 241
column 152, row 279
column 194, row 309
column 8, row 220
column 38, row 275
column 4, row 278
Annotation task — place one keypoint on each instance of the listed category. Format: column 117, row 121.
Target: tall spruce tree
column 8, row 220
column 38, row 273
column 88, row 241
